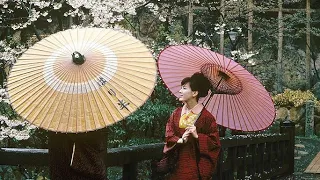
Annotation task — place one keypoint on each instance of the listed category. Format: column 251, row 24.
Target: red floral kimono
column 208, row 143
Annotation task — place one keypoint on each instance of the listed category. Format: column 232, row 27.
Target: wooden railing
column 242, row 157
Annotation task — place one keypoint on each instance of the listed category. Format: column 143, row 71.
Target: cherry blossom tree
column 21, row 20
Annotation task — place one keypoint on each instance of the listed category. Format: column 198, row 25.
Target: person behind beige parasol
column 74, row 84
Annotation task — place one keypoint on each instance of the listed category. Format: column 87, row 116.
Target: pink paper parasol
column 240, row 101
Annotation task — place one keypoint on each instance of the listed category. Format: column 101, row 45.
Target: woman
column 193, row 131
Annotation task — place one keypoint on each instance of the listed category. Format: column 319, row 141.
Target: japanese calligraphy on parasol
column 81, row 80
column 239, row 101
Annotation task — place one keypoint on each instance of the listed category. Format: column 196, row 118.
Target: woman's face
column 186, row 93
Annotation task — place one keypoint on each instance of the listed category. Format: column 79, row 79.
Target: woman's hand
column 192, row 130
column 184, row 138
column 189, row 130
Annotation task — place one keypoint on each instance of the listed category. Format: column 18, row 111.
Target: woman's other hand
column 192, row 130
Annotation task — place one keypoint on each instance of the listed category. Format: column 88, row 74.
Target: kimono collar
column 195, row 110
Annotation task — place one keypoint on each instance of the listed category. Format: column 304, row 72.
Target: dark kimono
column 88, row 157
column 208, row 144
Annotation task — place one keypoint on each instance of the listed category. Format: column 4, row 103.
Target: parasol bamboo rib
column 24, row 92
column 91, row 107
column 235, row 115
column 47, row 122
column 66, row 104
column 246, row 112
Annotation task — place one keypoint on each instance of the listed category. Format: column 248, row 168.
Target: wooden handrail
column 259, row 155
column 124, row 155
column 115, row 156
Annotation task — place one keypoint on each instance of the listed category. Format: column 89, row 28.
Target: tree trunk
column 36, row 32
column 70, row 21
column 250, row 22
column 222, row 11
column 280, row 45
column 190, row 18
column 308, row 64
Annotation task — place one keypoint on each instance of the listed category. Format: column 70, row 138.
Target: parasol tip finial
column 78, row 58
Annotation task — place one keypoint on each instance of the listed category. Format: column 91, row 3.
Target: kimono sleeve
column 209, row 143
column 171, row 136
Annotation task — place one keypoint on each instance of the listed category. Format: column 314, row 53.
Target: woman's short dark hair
column 198, row 82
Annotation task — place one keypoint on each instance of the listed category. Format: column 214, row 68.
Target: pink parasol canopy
column 239, row 100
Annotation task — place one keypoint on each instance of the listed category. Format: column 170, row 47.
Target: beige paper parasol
column 82, row 79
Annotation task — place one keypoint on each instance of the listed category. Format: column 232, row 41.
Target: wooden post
column 130, row 171
column 280, row 45
column 260, row 165
column 219, row 171
column 308, row 64
column 289, row 128
column 309, row 123
column 241, row 162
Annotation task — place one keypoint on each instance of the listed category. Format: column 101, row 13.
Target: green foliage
column 312, row 147
column 273, row 128
column 152, row 116
column 148, row 122
column 116, row 135
column 23, row 173
column 6, row 110
column 295, row 83
column 142, row 140
column 114, row 173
